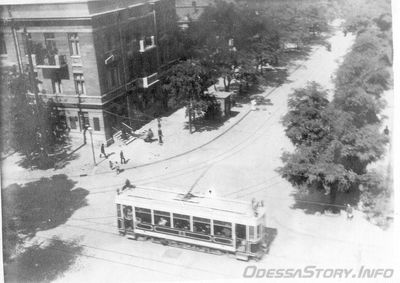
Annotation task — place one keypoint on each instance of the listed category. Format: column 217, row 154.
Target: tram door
column 241, row 242
column 128, row 218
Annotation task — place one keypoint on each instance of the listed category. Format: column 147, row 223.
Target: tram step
column 242, row 256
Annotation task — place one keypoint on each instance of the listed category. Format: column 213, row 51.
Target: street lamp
column 91, row 139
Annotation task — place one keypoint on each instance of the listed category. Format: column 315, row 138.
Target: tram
column 199, row 222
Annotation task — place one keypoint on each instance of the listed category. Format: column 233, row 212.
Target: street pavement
column 238, row 160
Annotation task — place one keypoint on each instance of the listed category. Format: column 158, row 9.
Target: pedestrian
column 122, row 157
column 103, row 152
column 349, row 211
column 149, row 137
column 159, row 122
column 111, row 165
column 160, row 135
column 386, row 131
column 127, row 185
column 117, row 168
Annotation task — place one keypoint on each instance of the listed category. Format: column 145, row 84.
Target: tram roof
column 200, row 205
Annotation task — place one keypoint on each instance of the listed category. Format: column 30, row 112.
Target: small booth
column 224, row 98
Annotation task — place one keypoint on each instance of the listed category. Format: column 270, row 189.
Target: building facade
column 98, row 60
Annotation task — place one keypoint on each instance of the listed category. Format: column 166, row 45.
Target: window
column 201, row 225
column 181, row 221
column 118, row 210
column 128, row 217
column 72, row 122
column 113, row 77
column 251, row 233
column 84, row 120
column 73, row 41
column 3, row 48
column 259, row 231
column 143, row 215
column 56, row 84
column 49, row 40
column 96, row 124
column 222, row 229
column 79, row 81
column 162, row 218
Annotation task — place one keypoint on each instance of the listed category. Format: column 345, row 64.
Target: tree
column 34, row 129
column 187, row 82
column 306, row 122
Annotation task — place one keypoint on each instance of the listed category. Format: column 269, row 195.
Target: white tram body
column 198, row 221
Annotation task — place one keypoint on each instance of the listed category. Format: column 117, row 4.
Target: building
column 190, row 10
column 98, row 60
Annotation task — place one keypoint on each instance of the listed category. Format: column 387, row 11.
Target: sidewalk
column 177, row 142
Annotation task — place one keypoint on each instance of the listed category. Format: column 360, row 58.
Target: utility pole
column 123, row 54
column 190, row 116
column 15, row 39
column 34, row 87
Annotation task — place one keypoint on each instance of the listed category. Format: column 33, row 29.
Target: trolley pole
column 91, row 140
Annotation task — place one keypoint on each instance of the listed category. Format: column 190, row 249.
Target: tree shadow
column 39, row 205
column 58, row 158
column 316, row 201
column 201, row 124
column 43, row 262
column 277, row 77
column 271, row 234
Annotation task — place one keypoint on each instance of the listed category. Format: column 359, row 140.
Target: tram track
column 130, row 255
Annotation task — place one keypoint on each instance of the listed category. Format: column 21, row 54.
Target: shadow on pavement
column 271, row 235
column 36, row 206
column 201, row 125
column 58, row 158
column 317, row 201
column 42, row 262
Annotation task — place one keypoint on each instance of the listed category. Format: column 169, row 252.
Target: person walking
column 117, row 168
column 102, row 150
column 349, row 211
column 160, row 135
column 122, row 157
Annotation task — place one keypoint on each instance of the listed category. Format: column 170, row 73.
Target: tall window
column 84, row 121
column 3, row 48
column 113, row 77
column 56, row 84
column 96, row 124
column 72, row 122
column 49, row 40
column 73, row 41
column 79, row 84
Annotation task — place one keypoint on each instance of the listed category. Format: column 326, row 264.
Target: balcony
column 148, row 81
column 147, row 44
column 51, row 61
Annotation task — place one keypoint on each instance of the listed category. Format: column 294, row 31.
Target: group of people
column 150, row 134
column 113, row 165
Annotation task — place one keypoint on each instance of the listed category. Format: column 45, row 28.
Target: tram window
column 181, row 221
column 201, row 225
column 259, row 231
column 118, row 210
column 162, row 218
column 251, row 233
column 128, row 217
column 143, row 215
column 222, row 229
